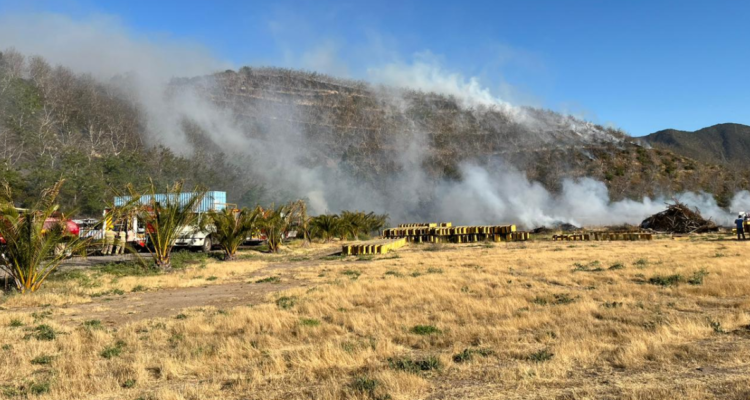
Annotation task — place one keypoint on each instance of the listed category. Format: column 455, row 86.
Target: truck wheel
column 207, row 245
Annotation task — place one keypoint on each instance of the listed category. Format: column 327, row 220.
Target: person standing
column 120, row 244
column 109, row 241
column 740, row 222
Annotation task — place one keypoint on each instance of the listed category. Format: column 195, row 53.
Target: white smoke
column 102, row 47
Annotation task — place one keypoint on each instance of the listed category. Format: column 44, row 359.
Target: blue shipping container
column 211, row 201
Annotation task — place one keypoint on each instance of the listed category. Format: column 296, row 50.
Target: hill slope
column 718, row 144
column 268, row 135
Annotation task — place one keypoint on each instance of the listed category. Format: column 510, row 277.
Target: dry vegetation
column 611, row 320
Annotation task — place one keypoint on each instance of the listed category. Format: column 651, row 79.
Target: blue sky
column 638, row 65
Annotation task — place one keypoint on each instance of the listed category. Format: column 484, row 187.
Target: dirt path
column 120, row 310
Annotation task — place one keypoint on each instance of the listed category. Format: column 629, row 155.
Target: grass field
column 549, row 320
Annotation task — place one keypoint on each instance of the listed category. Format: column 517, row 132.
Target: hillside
column 268, row 135
column 718, row 144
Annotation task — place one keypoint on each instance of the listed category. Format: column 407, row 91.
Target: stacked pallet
column 373, row 247
column 600, row 236
column 447, row 233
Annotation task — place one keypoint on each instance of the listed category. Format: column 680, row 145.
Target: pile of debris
column 556, row 227
column 679, row 218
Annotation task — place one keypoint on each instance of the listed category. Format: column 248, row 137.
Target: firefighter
column 120, row 244
column 109, row 241
column 740, row 221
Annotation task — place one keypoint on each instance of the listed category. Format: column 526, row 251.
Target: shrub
column 540, row 356
column 617, row 265
column 43, row 332
column 425, row 330
column 270, row 279
column 414, row 366
column 309, row 322
column 468, row 354
column 665, row 281
column 286, row 302
column 113, row 351
column 697, row 277
column 42, row 360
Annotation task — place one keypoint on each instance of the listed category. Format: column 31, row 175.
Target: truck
column 190, row 237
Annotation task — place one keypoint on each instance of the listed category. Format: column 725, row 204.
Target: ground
column 535, row 320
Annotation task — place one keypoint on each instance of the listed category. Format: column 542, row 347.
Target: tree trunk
column 230, row 256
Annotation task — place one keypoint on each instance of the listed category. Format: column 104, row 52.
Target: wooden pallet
column 446, row 233
column 602, row 236
column 382, row 246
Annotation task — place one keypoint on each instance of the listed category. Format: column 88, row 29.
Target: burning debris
column 679, row 218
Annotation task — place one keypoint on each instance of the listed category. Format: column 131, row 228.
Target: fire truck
column 190, row 237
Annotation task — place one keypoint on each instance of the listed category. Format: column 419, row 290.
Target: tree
column 166, row 217
column 231, row 228
column 326, row 226
column 275, row 225
column 36, row 239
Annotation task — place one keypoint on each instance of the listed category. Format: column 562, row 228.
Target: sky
column 641, row 66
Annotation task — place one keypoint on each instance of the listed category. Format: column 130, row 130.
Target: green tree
column 275, row 225
column 36, row 240
column 166, row 217
column 231, row 227
column 327, row 226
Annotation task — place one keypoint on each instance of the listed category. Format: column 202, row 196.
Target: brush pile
column 678, row 218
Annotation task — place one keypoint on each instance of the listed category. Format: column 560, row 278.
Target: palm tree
column 275, row 225
column 327, row 226
column 231, row 227
column 33, row 238
column 166, row 216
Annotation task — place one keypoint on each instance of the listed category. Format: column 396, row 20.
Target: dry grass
column 520, row 320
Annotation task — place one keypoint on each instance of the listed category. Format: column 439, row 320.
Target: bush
column 112, row 351
column 43, row 332
column 697, row 277
column 665, row 281
column 414, row 366
column 309, row 322
column 425, row 330
column 540, row 356
column 286, row 302
column 42, row 360
column 468, row 354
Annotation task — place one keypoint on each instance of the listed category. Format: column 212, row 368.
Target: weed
column 716, row 326
column 468, row 354
column 113, row 351
column 395, row 273
column 540, row 356
column 697, row 277
column 93, row 324
column 42, row 360
column 616, row 266
column 425, row 330
column 352, row 274
column 641, row 263
column 43, row 332
column 414, row 366
column 286, row 302
column 594, row 266
column 128, row 384
column 369, row 387
column 416, row 274
column 365, row 257
column 270, row 279
column 563, row 298
column 15, row 323
column 38, row 388
column 665, row 281
column 433, row 270
column 7, row 347
column 612, row 304
column 180, row 316
column 129, row 268
column 464, row 289
column 138, row 288
column 433, row 247
column 539, row 300
column 212, row 278
column 309, row 322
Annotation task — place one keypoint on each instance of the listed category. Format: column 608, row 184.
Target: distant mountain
column 719, row 144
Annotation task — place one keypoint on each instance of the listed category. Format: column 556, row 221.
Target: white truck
column 190, row 237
